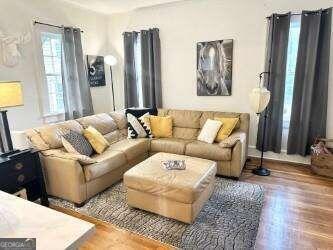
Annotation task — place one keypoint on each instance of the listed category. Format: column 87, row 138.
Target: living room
column 217, row 86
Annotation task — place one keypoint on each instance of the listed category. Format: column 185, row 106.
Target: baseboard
column 282, row 157
column 252, row 159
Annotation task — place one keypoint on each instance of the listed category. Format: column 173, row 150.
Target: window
column 50, row 65
column 138, row 75
column 294, row 31
column 52, row 58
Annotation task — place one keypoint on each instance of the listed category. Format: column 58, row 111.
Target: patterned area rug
column 229, row 220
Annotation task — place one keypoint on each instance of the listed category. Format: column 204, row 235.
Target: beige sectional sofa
column 68, row 178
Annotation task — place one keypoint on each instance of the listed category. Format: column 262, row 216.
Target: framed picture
column 214, row 68
column 96, row 71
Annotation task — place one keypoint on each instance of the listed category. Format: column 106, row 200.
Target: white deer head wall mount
column 10, row 48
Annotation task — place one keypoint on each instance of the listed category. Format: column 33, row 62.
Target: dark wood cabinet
column 23, row 170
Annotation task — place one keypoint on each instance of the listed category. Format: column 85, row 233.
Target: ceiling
column 116, row 6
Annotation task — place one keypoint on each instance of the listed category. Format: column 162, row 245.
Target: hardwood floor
column 298, row 209
column 108, row 236
column 297, row 214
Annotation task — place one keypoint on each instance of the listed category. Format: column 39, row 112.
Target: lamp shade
column 10, row 94
column 110, row 60
column 259, row 99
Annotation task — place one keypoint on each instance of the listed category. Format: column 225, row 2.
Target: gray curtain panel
column 130, row 78
column 148, row 70
column 77, row 96
column 309, row 107
column 1, row 145
column 277, row 49
column 151, row 68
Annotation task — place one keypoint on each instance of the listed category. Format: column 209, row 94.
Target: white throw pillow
column 209, row 131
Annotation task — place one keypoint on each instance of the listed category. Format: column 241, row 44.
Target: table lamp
column 10, row 96
column 111, row 60
column 259, row 100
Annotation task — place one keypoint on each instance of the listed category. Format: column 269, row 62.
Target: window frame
column 44, row 101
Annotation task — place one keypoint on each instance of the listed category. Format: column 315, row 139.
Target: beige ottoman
column 177, row 194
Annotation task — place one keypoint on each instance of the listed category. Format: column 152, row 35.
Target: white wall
column 183, row 24
column 16, row 17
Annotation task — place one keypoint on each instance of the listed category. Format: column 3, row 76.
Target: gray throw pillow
column 76, row 143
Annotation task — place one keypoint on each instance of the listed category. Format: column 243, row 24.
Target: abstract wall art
column 214, row 68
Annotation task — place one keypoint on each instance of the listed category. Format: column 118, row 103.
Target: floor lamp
column 111, row 61
column 259, row 99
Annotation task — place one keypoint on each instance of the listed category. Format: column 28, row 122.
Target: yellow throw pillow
column 228, row 125
column 161, row 126
column 96, row 139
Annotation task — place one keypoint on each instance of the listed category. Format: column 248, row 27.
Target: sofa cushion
column 229, row 124
column 208, row 151
column 52, row 134
column 163, row 112
column 185, row 118
column 229, row 115
column 123, row 133
column 61, row 153
column 185, row 133
column 113, row 136
column 244, row 120
column 169, row 145
column 76, row 143
column 132, row 148
column 120, row 118
column 138, row 127
column 233, row 139
column 96, row 139
column 209, row 131
column 161, row 126
column 211, row 114
column 106, row 162
column 102, row 122
column 36, row 140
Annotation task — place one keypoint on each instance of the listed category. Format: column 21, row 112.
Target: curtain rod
column 299, row 14
column 292, row 14
column 52, row 25
column 139, row 31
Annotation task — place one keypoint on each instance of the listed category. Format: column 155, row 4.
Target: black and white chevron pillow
column 138, row 127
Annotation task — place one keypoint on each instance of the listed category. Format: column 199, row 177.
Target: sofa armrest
column 82, row 159
column 64, row 178
column 238, row 157
column 231, row 141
